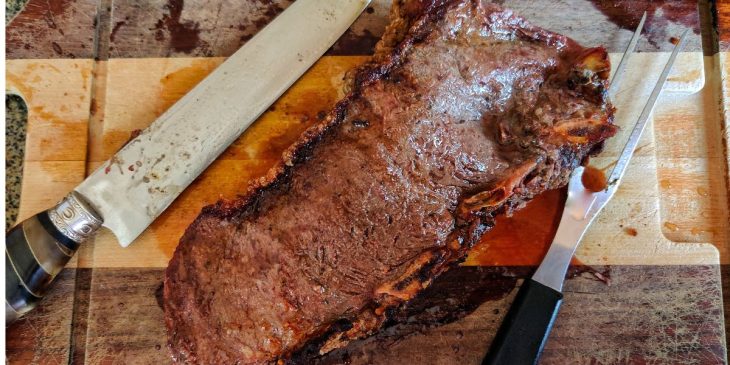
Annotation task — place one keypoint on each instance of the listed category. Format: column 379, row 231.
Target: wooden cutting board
column 647, row 284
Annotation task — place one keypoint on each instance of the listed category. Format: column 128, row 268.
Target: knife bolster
column 75, row 218
column 37, row 249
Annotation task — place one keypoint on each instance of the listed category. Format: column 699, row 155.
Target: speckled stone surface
column 12, row 7
column 16, row 116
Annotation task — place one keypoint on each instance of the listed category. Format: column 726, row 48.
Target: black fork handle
column 525, row 329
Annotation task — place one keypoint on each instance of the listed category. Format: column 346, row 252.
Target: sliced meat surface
column 466, row 111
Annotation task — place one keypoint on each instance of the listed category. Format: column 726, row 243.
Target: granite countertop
column 12, row 7
column 16, row 114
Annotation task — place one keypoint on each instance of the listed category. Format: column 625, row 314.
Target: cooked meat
column 466, row 112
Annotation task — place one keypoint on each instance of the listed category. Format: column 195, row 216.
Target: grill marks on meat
column 467, row 111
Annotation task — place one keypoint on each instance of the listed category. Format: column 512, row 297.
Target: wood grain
column 156, row 245
column 125, row 323
column 659, row 313
column 455, row 320
column 671, row 330
column 722, row 19
column 651, row 332
column 611, row 23
column 52, row 29
column 43, row 336
column 57, row 93
column 195, row 28
column 58, row 96
column 50, row 181
column 173, row 28
column 722, row 69
column 691, row 163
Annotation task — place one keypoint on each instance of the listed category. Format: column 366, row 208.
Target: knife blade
column 178, row 146
column 142, row 179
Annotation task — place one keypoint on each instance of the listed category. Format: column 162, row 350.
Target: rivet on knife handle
column 38, row 248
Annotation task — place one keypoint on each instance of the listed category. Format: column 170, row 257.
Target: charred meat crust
column 555, row 151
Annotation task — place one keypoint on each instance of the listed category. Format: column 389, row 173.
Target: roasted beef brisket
column 466, row 111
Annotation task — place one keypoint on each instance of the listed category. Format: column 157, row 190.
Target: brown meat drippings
column 391, row 188
column 593, row 179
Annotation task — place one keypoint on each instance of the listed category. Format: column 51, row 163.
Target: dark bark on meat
column 467, row 111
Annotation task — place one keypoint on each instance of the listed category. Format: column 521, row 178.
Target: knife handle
column 525, row 329
column 38, row 248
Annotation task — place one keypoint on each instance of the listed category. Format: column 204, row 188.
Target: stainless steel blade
column 582, row 206
column 131, row 189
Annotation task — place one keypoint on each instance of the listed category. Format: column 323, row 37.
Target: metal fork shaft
column 633, row 141
column 577, row 215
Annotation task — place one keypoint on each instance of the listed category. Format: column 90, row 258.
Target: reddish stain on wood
column 52, row 29
column 135, row 133
column 578, row 269
column 722, row 16
column 184, row 35
column 57, row 48
column 93, row 107
column 355, row 43
column 627, row 14
column 117, row 26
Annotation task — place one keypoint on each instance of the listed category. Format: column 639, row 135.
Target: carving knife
column 526, row 326
column 140, row 181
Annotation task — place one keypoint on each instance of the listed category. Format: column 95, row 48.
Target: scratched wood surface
column 455, row 320
column 42, row 337
column 722, row 68
column 585, row 318
column 665, row 306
